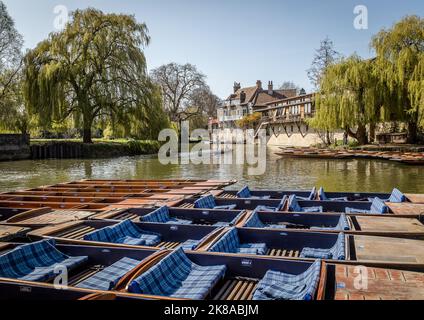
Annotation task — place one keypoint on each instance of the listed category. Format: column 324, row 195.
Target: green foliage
column 249, row 121
column 400, row 63
column 95, row 72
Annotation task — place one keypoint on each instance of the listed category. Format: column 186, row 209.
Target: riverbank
column 74, row 149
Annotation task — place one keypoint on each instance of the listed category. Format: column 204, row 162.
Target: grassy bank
column 100, row 148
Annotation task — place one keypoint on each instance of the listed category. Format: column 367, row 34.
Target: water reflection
column 347, row 175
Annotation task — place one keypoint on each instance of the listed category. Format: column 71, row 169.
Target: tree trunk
column 360, row 135
column 87, row 122
column 412, row 132
column 372, row 132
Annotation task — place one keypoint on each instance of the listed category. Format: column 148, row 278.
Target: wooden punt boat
column 56, row 205
column 336, row 281
column 98, row 262
column 273, row 194
column 8, row 233
column 6, row 213
column 405, row 209
column 331, row 223
column 188, row 216
column 242, row 278
column 293, row 244
column 45, row 216
column 171, row 236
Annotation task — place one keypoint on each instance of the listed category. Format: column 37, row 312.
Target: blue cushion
column 378, row 206
column 36, row 261
column 342, row 224
column 313, row 209
column 310, row 197
column 206, row 202
column 160, row 215
column 109, row 277
column 397, row 196
column 189, row 244
column 244, row 193
column 254, row 222
column 293, row 204
column 337, row 252
column 354, row 210
column 282, row 286
column 230, row 243
column 125, row 232
column 322, row 196
column 226, row 207
column 178, row 277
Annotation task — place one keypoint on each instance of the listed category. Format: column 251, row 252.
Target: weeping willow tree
column 349, row 98
column 93, row 69
column 400, row 65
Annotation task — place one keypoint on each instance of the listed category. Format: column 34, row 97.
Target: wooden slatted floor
column 76, row 233
column 187, row 205
column 283, row 253
column 168, row 244
column 228, row 196
column 126, row 215
column 237, row 289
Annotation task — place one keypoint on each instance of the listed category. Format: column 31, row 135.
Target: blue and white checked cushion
column 337, row 252
column 189, row 244
column 354, row 210
column 244, row 193
column 342, row 224
column 254, row 222
column 230, row 243
column 177, row 276
column 311, row 195
column 322, row 196
column 282, row 286
column 36, row 261
column 109, row 277
column 397, row 196
column 124, row 232
column 206, row 202
column 160, row 215
column 295, row 207
column 378, row 206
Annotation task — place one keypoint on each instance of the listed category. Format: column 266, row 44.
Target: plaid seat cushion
column 337, row 252
column 378, row 206
column 295, row 207
column 342, row 224
column 244, row 193
column 322, row 196
column 311, row 195
column 36, row 261
column 319, row 209
column 179, row 221
column 354, row 210
column 189, row 244
column 160, row 215
column 252, row 248
column 125, row 232
column 254, row 222
column 397, row 196
column 108, row 278
column 282, row 286
column 230, row 243
column 177, row 276
column 206, row 202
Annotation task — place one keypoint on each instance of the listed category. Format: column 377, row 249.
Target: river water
column 284, row 174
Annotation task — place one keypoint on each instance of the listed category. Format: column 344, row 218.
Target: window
column 291, row 128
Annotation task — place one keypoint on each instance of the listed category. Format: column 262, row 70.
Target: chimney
column 270, row 87
column 242, row 96
column 259, row 84
column 237, row 86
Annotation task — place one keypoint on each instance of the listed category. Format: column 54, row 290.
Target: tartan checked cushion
column 293, row 204
column 322, row 196
column 189, row 244
column 342, row 224
column 160, row 215
column 282, row 286
column 254, row 222
column 337, row 252
column 378, row 206
column 124, row 232
column 397, row 196
column 312, row 209
column 177, row 276
column 311, row 195
column 108, row 278
column 354, row 210
column 36, row 261
column 230, row 243
column 179, row 221
column 207, row 202
column 244, row 193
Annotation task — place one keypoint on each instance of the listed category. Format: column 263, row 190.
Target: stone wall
column 293, row 137
column 14, row 147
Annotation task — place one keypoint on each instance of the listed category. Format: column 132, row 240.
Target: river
column 284, row 174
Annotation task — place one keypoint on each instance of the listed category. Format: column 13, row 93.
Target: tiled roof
column 261, row 97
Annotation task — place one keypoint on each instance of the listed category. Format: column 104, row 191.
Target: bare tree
column 179, row 83
column 206, row 101
column 289, row 85
column 324, row 57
